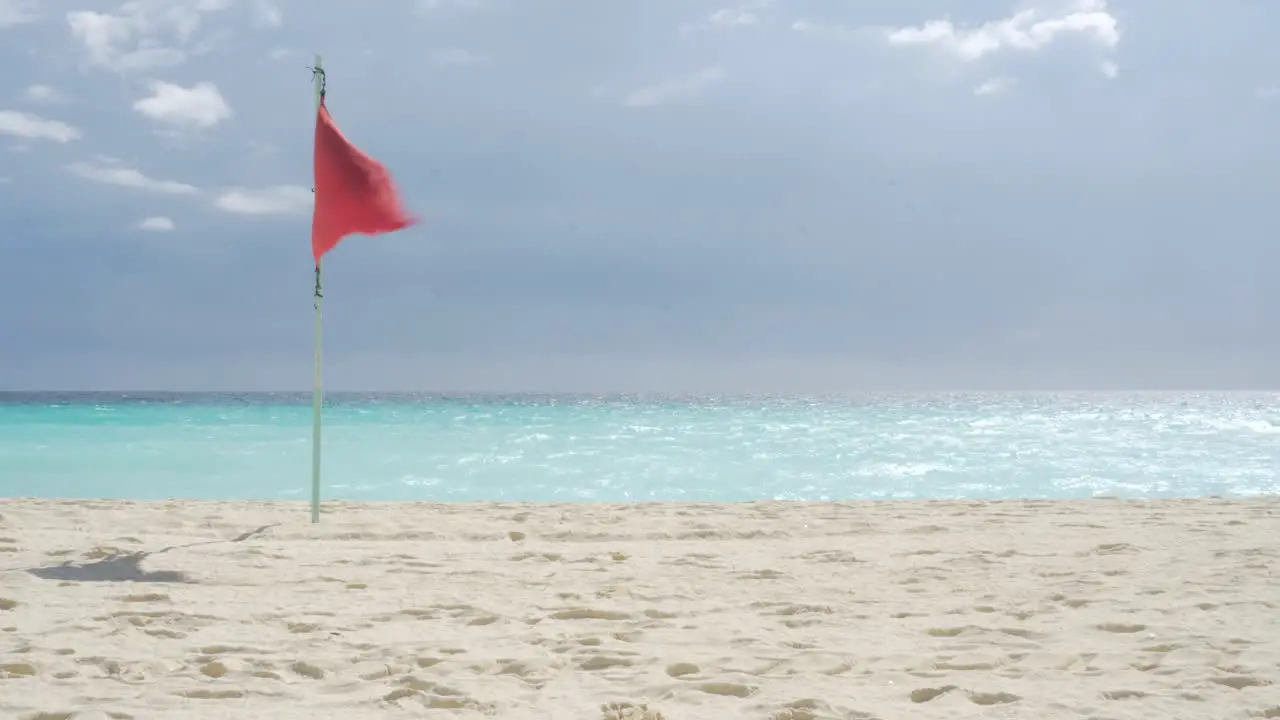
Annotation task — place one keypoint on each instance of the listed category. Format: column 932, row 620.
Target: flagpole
column 317, row 393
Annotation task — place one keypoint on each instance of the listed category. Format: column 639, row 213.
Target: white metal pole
column 317, row 394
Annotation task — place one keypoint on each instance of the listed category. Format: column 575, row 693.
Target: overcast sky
column 646, row 195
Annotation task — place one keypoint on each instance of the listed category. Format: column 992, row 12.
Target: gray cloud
column 826, row 211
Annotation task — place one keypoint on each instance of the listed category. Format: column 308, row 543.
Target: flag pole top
column 318, row 76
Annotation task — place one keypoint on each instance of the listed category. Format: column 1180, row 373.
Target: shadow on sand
column 127, row 567
column 120, row 568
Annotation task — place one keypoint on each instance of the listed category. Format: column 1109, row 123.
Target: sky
column 667, row 195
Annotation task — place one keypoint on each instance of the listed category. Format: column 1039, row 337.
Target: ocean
column 637, row 448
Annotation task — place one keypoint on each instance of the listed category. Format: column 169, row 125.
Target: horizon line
column 739, row 393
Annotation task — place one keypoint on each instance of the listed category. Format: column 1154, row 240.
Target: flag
column 354, row 192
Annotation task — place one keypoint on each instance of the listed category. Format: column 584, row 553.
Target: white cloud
column 994, row 86
column 734, row 17
column 130, row 178
column 1109, row 68
column 829, row 30
column 456, row 56
column 1027, row 30
column 200, row 106
column 34, row 127
column 274, row 200
column 40, row 94
column 16, row 12
column 158, row 223
column 266, row 14
column 675, row 89
column 1267, row 93
column 140, row 34
column 739, row 16
column 434, row 5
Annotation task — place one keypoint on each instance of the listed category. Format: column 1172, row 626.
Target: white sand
column 1103, row 609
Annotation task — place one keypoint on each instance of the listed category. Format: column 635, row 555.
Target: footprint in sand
column 681, row 669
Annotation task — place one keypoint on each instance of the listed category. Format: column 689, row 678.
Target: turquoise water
column 424, row 447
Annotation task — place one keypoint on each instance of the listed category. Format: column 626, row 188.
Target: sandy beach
column 1091, row 609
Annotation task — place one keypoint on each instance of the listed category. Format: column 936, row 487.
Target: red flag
column 354, row 192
